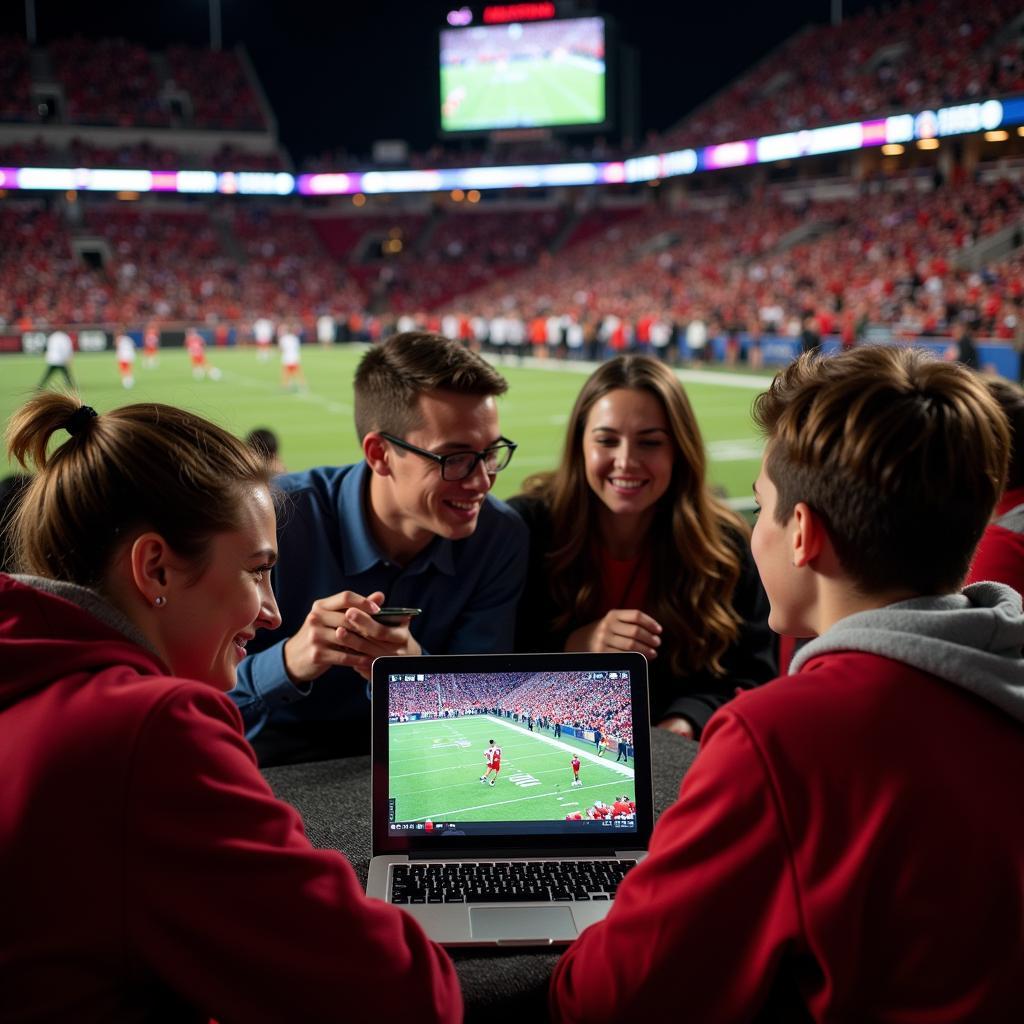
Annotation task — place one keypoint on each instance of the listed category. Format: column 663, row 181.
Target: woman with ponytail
column 149, row 871
column 630, row 551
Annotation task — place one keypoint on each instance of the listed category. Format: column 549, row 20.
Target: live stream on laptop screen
column 510, row 754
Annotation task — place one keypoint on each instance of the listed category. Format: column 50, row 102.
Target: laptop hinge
column 499, row 854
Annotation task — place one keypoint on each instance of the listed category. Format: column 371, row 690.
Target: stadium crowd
column 572, row 699
column 760, row 266
column 912, row 56
column 115, row 83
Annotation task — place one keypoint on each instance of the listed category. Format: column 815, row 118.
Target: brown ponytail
column 141, row 466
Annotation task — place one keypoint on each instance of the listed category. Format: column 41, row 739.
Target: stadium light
column 924, row 128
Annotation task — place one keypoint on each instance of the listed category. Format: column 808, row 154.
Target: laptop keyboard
column 542, row 881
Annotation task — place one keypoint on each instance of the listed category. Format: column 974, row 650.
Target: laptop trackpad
column 544, row 924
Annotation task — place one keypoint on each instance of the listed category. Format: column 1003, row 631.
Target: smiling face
column 628, row 451
column 206, row 624
column 412, row 502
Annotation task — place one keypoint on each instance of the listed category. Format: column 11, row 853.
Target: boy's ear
column 808, row 534
column 375, row 451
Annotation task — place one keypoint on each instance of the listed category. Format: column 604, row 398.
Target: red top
column 848, row 837
column 624, row 582
column 1000, row 554
column 155, row 871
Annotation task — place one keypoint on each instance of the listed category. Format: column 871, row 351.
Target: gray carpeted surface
column 333, row 798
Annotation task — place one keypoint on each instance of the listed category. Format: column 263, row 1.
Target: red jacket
column 148, row 869
column 1000, row 554
column 849, row 839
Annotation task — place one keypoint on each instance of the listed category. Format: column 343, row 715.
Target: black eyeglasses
column 459, row 465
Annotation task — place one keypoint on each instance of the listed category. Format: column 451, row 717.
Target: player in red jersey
column 621, row 807
column 492, row 755
column 575, row 762
column 150, row 346
column 196, row 345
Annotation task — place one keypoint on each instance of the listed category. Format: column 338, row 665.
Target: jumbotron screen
column 534, row 75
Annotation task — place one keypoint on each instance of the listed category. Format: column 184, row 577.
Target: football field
column 435, row 768
column 316, row 426
column 521, row 94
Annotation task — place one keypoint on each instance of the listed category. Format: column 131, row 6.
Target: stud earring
column 160, row 601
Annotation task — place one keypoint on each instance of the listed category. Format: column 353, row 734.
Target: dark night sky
column 345, row 73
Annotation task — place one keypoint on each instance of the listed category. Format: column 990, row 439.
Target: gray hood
column 973, row 639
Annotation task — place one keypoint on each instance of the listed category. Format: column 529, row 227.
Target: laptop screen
column 545, row 749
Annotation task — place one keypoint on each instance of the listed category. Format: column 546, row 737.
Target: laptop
column 511, row 793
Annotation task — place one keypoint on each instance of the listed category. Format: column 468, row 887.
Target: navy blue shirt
column 468, row 590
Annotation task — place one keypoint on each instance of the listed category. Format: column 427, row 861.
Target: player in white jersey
column 263, row 335
column 325, row 329
column 492, row 755
column 291, row 360
column 59, row 350
column 125, row 347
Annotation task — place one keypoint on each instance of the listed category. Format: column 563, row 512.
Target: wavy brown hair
column 694, row 540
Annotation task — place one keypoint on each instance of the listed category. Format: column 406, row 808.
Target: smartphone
column 391, row 616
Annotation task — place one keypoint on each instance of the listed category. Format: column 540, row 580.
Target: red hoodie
column 149, row 872
column 847, row 847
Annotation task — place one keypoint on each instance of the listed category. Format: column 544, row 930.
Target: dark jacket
column 748, row 663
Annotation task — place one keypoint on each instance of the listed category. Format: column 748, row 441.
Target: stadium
column 745, row 285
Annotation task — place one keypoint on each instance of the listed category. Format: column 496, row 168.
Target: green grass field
column 520, row 94
column 316, row 426
column 435, row 769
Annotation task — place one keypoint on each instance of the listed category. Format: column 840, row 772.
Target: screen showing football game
column 510, row 753
column 534, row 75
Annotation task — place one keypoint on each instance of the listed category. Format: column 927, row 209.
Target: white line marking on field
column 747, row 381
column 333, row 407
column 564, row 746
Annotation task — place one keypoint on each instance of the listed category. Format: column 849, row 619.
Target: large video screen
column 535, row 75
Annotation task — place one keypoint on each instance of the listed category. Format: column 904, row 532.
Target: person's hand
column 622, row 629
column 369, row 639
column 316, row 647
column 678, row 725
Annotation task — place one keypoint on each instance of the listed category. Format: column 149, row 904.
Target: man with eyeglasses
column 412, row 525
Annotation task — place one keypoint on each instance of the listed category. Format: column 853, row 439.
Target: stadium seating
column 15, row 81
column 574, row 699
column 914, row 56
column 108, row 82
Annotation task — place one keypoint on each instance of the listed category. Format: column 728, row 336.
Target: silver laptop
column 511, row 793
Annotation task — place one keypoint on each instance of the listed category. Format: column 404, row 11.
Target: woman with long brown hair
column 630, row 551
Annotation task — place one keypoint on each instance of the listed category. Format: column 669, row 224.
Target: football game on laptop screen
column 516, row 753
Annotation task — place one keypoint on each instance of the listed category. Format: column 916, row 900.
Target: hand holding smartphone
column 394, row 616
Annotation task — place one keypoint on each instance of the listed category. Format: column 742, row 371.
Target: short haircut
column 263, row 441
column 902, row 456
column 140, row 467
column 1010, row 397
column 391, row 377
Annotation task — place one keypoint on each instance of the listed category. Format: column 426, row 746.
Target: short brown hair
column 141, row 466
column 1010, row 397
column 902, row 456
column 391, row 377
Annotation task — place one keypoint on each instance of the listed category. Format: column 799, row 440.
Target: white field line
column 489, row 806
column 551, row 741
column 748, row 382
column 333, row 407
